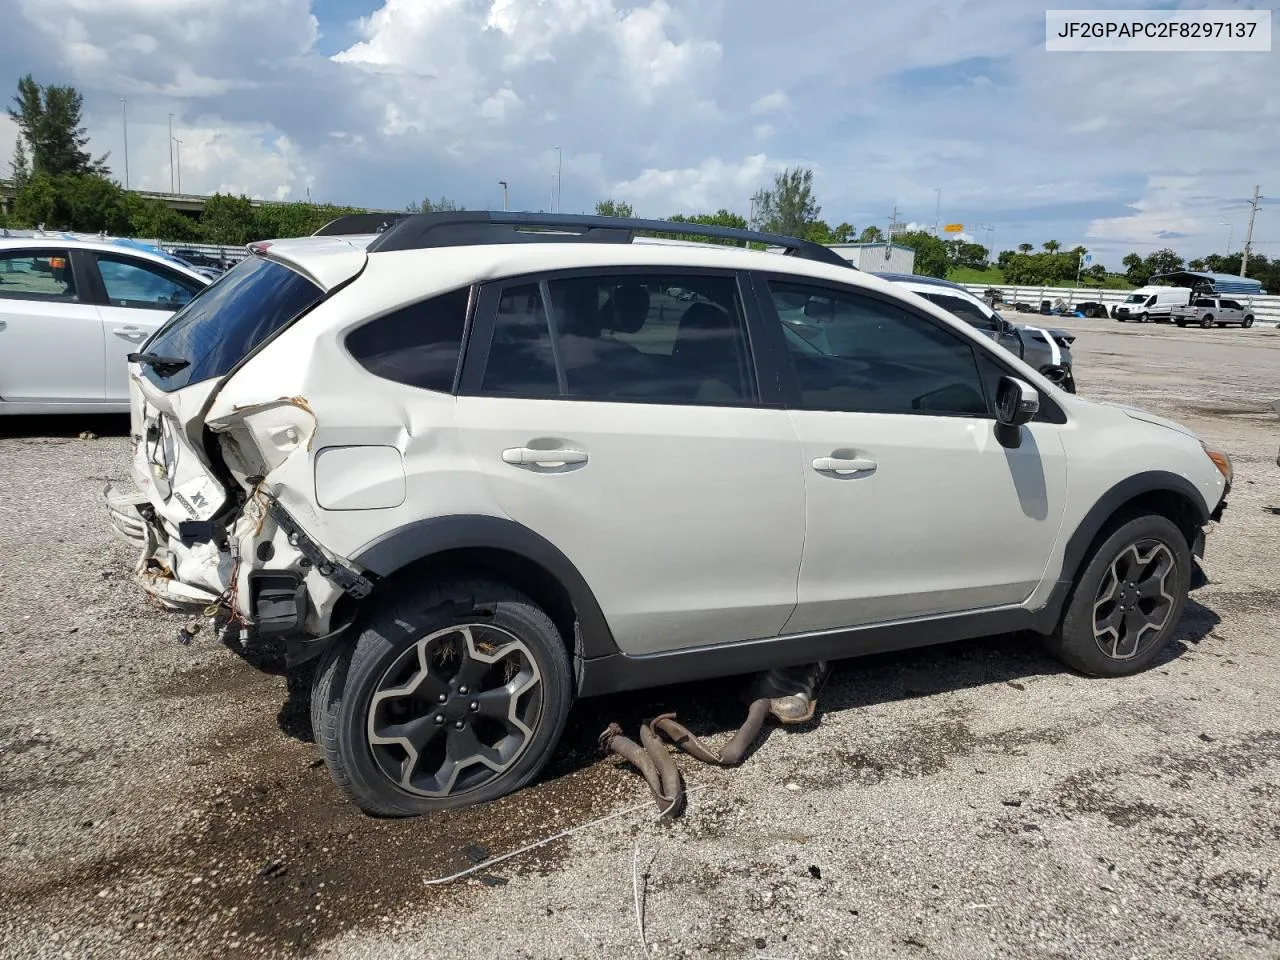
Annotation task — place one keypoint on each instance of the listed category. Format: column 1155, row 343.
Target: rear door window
column 229, row 319
column 37, row 275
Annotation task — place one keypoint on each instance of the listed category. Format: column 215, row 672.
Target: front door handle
column 130, row 333
column 844, row 464
column 529, row 456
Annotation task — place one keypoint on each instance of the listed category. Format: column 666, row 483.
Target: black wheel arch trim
column 423, row 539
column 1076, row 553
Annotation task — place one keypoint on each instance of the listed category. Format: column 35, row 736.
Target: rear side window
column 522, row 362
column 228, row 319
column 418, row 345
column 1204, row 303
column 37, row 275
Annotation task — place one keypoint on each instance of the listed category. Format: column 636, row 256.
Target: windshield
column 1135, row 298
column 228, row 319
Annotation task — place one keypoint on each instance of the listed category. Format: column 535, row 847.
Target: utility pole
column 124, row 123
column 937, row 211
column 1248, row 237
column 177, row 155
column 503, row 184
column 171, row 190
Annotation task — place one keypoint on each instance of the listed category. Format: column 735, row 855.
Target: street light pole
column 504, row 193
column 171, row 153
column 124, row 124
column 937, row 211
column 1231, row 233
column 558, row 168
column 177, row 154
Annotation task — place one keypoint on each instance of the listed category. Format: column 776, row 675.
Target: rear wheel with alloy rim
column 1127, row 601
column 450, row 696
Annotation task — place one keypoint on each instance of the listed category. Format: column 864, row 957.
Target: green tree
column 1099, row 273
column 931, row 252
column 49, row 120
column 614, row 208
column 443, row 205
column 789, row 207
column 721, row 218
column 227, row 220
column 1002, row 260
column 963, row 254
column 1052, row 246
column 155, row 219
column 871, row 235
column 88, row 203
column 1025, row 248
column 1163, row 261
column 19, row 166
column 1135, row 269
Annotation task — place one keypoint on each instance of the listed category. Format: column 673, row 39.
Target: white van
column 1151, row 303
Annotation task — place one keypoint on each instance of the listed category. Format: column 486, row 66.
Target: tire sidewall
column 1079, row 647
column 384, row 637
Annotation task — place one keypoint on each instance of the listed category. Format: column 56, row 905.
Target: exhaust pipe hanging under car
column 789, row 694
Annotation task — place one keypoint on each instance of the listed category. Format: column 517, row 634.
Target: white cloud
column 661, row 102
column 771, row 103
column 712, row 184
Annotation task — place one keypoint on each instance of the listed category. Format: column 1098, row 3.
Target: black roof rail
column 461, row 228
column 352, row 224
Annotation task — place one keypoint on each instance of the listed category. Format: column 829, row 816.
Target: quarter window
column 131, row 283
column 852, row 352
column 417, row 345
column 37, row 275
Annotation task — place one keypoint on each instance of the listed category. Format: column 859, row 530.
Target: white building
column 878, row 257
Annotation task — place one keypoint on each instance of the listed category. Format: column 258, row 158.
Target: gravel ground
column 161, row 799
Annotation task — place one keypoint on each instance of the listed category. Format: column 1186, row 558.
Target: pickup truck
column 1211, row 312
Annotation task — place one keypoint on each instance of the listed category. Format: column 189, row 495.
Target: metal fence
column 1265, row 309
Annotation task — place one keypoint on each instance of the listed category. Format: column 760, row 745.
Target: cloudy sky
column 676, row 106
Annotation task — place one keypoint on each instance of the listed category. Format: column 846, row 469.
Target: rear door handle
column 130, row 333
column 528, row 456
column 844, row 464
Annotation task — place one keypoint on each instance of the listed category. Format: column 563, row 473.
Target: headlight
column 1220, row 460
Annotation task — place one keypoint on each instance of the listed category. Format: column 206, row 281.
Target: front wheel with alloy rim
column 1248, row 322
column 1127, row 601
column 451, row 695
column 1144, row 317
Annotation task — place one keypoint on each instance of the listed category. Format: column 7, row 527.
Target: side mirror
column 1016, row 403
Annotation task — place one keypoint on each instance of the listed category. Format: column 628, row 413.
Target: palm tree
column 1051, row 246
column 1025, row 248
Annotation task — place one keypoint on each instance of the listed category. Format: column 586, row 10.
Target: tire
column 355, row 707
column 1206, row 321
column 1080, row 644
column 1144, row 318
column 1090, row 312
column 1181, row 323
column 1247, row 322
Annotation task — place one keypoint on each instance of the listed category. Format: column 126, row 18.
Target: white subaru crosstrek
column 481, row 464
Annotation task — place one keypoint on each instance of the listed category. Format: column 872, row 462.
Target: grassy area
column 969, row 275
column 995, row 277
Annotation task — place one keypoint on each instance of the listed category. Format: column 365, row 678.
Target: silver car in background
column 1048, row 349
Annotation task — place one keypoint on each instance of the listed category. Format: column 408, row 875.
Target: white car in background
column 71, row 312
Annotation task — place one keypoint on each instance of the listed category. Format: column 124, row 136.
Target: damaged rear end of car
column 219, row 511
